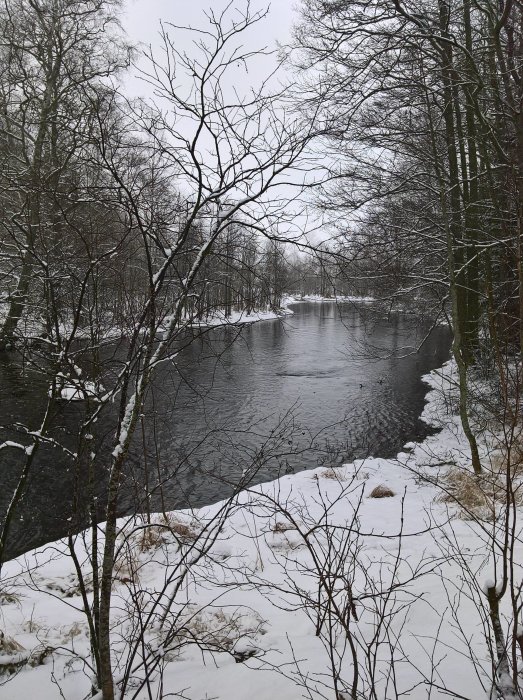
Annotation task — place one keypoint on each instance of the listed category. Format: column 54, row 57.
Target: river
column 327, row 384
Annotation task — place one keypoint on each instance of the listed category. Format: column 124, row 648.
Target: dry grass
column 502, row 461
column 219, row 630
column 478, row 496
column 156, row 534
column 362, row 476
column 12, row 655
column 181, row 529
column 7, row 597
column 282, row 527
column 72, row 631
column 151, row 537
column 381, row 491
column 69, row 586
column 334, row 473
column 8, row 645
column 185, row 532
column 463, row 488
column 33, row 627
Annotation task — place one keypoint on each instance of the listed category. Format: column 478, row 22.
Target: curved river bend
column 328, row 384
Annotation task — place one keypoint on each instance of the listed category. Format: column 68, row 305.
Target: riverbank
column 243, row 624
column 338, row 298
column 219, row 318
column 109, row 332
column 235, row 318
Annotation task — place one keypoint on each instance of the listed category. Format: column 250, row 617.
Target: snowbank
column 76, row 390
column 250, row 601
column 338, row 298
column 219, row 318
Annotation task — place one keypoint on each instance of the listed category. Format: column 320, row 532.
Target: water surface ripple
column 325, row 385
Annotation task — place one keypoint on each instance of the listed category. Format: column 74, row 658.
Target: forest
column 376, row 155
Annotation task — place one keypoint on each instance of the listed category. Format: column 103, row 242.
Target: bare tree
column 251, row 146
column 58, row 54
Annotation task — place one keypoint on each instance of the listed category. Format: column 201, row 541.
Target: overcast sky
column 141, row 21
column 142, row 18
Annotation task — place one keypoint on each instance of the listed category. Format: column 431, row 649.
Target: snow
column 124, row 427
column 109, row 331
column 488, row 585
column 17, row 446
column 338, row 298
column 254, row 577
column 13, row 659
column 238, row 317
column 219, row 318
column 76, row 390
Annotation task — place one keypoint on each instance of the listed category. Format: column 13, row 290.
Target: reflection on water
column 325, row 385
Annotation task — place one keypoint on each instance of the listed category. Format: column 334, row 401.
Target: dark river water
column 325, row 385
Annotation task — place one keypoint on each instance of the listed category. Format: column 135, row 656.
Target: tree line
column 88, row 176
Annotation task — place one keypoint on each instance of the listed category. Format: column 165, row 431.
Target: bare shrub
column 40, row 654
column 126, row 566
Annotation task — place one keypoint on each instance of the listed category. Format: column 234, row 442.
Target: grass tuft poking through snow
column 381, row 491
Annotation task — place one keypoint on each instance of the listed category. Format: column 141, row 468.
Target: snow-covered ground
column 109, row 332
column 218, row 317
column 402, row 570
column 338, row 298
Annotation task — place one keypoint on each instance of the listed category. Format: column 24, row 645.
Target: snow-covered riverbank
column 243, row 622
column 109, row 332
column 339, row 298
column 218, row 317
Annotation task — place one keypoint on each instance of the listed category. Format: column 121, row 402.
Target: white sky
column 142, row 16
column 141, row 20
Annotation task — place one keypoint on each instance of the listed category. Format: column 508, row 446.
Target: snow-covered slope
column 397, row 565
